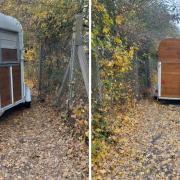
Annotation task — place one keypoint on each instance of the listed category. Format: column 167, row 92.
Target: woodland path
column 151, row 149
column 36, row 144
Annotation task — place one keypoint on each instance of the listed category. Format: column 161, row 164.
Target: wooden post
column 84, row 65
column 71, row 75
column 78, row 51
column 40, row 73
column 62, row 87
column 136, row 75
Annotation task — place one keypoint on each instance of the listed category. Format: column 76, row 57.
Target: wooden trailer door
column 17, row 84
column 170, row 80
column 5, row 87
column 169, row 55
column 10, row 69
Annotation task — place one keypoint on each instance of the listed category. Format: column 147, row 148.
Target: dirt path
column 156, row 144
column 151, row 150
column 35, row 144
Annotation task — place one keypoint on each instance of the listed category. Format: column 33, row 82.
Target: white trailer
column 13, row 90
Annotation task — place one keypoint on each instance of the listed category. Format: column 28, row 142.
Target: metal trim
column 12, row 105
column 168, row 98
column 11, row 80
column 159, row 78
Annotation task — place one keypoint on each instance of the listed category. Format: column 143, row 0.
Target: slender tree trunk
column 40, row 81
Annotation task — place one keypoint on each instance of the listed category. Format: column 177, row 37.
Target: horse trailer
column 13, row 90
column 168, row 86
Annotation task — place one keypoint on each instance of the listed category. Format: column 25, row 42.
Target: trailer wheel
column 155, row 98
column 27, row 104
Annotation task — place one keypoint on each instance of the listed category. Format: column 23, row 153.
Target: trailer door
column 5, row 87
column 170, row 80
column 10, row 69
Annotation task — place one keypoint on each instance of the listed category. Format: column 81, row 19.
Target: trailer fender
column 1, row 112
column 27, row 94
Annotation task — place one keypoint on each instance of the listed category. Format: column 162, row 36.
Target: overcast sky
column 178, row 26
column 178, row 2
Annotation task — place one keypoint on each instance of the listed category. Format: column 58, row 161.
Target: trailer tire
column 155, row 98
column 27, row 104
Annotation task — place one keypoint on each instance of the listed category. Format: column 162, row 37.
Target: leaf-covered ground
column 36, row 144
column 148, row 148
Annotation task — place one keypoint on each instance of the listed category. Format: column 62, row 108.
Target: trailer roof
column 169, row 50
column 10, row 23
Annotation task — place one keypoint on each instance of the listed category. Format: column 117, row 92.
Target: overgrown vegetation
column 125, row 38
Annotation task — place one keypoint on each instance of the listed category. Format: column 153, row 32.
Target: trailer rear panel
column 10, row 69
column 169, row 56
column 170, row 80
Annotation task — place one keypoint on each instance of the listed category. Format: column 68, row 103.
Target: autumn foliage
column 124, row 59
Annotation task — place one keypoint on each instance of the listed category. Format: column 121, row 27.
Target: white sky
column 178, row 2
column 178, row 25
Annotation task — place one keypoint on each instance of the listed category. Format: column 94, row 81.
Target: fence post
column 80, row 51
column 40, row 83
column 136, row 75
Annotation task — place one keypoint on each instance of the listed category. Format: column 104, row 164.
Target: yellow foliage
column 103, row 152
column 30, row 55
column 98, row 130
column 154, row 78
column 119, row 19
column 122, row 60
column 30, row 83
column 117, row 131
column 106, row 30
column 117, row 40
column 122, row 140
column 98, row 6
